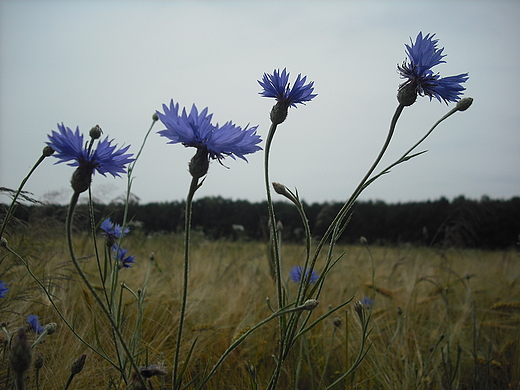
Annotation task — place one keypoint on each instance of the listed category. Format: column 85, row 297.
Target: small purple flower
column 69, row 146
column 422, row 56
column 112, row 231
column 33, row 322
column 276, row 86
column 124, row 261
column 297, row 272
column 3, row 289
column 195, row 130
column 367, row 302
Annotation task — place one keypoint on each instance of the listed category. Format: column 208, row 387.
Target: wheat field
column 441, row 318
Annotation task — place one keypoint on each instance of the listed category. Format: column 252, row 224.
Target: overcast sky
column 114, row 63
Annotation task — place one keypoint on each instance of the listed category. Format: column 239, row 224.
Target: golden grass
column 429, row 305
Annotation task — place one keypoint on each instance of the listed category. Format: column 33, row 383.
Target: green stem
column 10, row 210
column 361, row 186
column 405, row 156
column 68, row 223
column 275, row 252
column 272, row 217
column 187, row 227
column 238, row 341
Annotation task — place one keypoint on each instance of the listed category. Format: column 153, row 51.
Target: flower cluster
column 422, row 56
column 297, row 273
column 105, row 158
column 212, row 141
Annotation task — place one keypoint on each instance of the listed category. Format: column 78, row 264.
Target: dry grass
column 441, row 318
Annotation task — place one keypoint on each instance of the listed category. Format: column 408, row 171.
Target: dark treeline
column 484, row 223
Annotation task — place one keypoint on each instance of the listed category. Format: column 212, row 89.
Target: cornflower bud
column 310, row 304
column 358, row 307
column 47, row 151
column 95, row 132
column 20, row 355
column 38, row 362
column 50, row 328
column 78, row 364
column 464, row 103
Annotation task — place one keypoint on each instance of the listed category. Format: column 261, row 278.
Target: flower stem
column 10, row 210
column 187, row 227
column 276, row 254
column 272, row 217
column 68, row 226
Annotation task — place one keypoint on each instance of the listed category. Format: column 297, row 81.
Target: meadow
column 438, row 317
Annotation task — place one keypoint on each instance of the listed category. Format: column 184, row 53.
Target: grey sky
column 114, row 63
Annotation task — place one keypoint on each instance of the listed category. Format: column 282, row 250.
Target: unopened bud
column 336, row 322
column 363, row 240
column 282, row 190
column 310, row 304
column 279, row 226
column 21, row 355
column 152, row 256
column 464, row 103
column 155, row 117
column 3, row 242
column 358, row 307
column 51, row 327
column 77, row 365
column 47, row 151
column 38, row 362
column 95, row 132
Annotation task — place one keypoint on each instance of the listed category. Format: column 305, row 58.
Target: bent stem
column 338, row 219
column 177, row 378
column 68, row 225
column 406, row 156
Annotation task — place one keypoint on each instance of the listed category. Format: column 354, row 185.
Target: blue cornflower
column 3, row 289
column 32, row 320
column 112, row 231
column 104, row 158
column 277, row 86
column 424, row 55
column 212, row 141
column 367, row 302
column 297, row 272
column 124, row 261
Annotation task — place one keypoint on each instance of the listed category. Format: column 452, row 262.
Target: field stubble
column 441, row 318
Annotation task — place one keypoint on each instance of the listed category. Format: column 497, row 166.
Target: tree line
column 461, row 222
